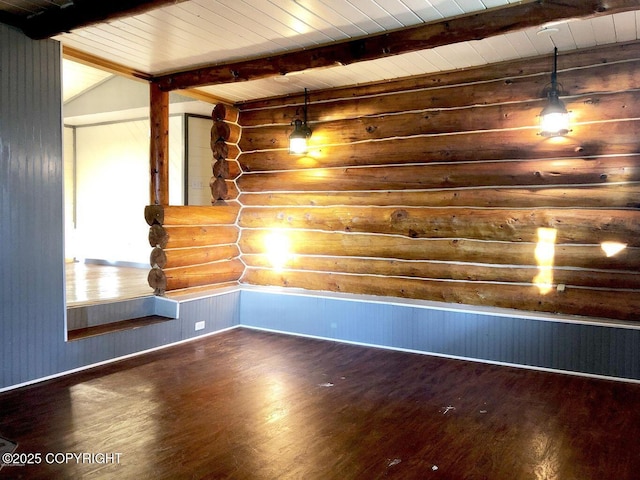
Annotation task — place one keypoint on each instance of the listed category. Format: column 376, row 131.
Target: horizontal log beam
column 449, row 271
column 581, row 84
column 497, row 145
column 196, row 236
column 228, row 132
column 467, row 251
column 443, row 176
column 592, row 108
column 190, row 215
column 226, row 112
column 197, row 275
column 85, row 58
column 182, row 257
column 573, row 301
column 273, row 108
column 579, row 226
column 82, row 13
column 601, row 196
column 452, row 30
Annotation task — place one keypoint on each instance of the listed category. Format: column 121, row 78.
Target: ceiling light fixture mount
column 301, row 131
column 554, row 118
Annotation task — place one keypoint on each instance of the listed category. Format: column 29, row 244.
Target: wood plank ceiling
column 182, row 35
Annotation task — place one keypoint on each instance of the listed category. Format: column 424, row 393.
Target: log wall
column 440, row 188
column 196, row 246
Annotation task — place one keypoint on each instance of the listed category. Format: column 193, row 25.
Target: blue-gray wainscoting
column 560, row 343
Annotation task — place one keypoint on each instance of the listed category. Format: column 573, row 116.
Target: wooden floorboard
column 87, row 283
column 252, row 405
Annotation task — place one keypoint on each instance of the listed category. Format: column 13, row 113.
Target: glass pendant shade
column 554, row 118
column 301, row 131
column 298, row 138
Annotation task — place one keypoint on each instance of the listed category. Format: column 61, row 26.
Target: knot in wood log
column 399, row 215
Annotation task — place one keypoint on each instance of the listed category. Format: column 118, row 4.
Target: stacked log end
column 220, row 134
column 193, row 246
column 196, row 246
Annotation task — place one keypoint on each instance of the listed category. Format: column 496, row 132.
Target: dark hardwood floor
column 253, row 405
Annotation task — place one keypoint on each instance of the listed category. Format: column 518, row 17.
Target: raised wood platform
column 247, row 404
column 90, row 283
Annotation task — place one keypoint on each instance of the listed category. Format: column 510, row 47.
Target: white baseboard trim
column 451, row 357
column 116, row 359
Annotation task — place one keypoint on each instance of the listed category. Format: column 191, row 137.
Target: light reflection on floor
column 88, row 283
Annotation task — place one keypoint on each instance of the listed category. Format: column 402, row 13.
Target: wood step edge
column 80, row 333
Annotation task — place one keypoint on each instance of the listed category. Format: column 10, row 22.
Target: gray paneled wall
column 32, row 304
column 31, row 250
column 595, row 349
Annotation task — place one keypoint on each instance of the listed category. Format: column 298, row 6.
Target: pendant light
column 554, row 118
column 301, row 132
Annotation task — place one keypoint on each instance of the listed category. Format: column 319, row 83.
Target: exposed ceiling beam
column 204, row 96
column 84, row 58
column 425, row 36
column 76, row 55
column 82, row 13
